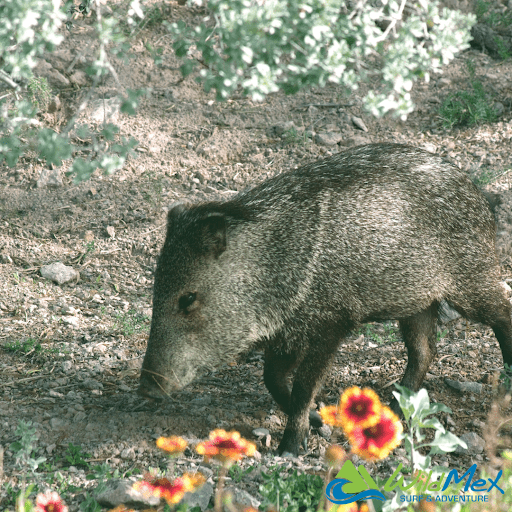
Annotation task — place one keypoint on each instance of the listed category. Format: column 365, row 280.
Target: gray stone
column 242, row 497
column 92, row 384
column 50, row 178
column 66, row 366
column 120, row 492
column 464, row 387
column 55, row 78
column 260, row 432
column 200, row 498
column 105, row 110
column 475, row 444
column 59, row 273
column 359, row 123
column 328, row 138
column 79, row 78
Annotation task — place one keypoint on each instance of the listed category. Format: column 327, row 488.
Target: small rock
column 79, row 416
column 260, row 432
column 282, row 128
column 70, row 320
column 242, row 497
column 111, row 231
column 92, row 384
column 328, row 138
column 359, row 123
column 499, row 108
column 87, row 235
column 54, row 104
column 465, row 387
column 79, row 78
column 56, row 423
column 120, row 492
column 55, row 78
column 49, row 178
column 325, row 432
column 128, row 454
column 59, row 273
column 475, row 444
column 66, row 366
column 200, row 498
column 105, row 110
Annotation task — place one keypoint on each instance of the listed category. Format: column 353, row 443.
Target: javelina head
column 201, row 317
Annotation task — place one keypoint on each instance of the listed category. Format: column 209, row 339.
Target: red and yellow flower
column 226, row 446
column 358, row 408
column 349, row 507
column 335, row 455
column 173, row 445
column 377, row 441
column 330, row 415
column 172, row 492
column 50, row 502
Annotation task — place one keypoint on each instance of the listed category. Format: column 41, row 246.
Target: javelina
column 382, row 231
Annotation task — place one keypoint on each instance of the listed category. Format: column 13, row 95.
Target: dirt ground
column 71, row 354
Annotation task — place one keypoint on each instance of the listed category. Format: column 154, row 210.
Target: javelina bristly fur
column 382, row 231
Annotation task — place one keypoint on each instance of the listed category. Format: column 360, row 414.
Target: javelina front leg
column 278, row 367
column 308, row 378
column 419, row 333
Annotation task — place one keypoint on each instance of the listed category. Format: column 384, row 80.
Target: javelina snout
column 378, row 232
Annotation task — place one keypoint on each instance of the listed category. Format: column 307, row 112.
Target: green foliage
column 470, row 107
column 263, row 47
column 132, row 322
column 75, row 457
column 30, row 30
column 39, row 93
column 417, row 411
column 237, row 474
column 442, row 334
column 487, row 176
column 24, row 448
column 25, row 347
column 487, row 13
column 291, row 493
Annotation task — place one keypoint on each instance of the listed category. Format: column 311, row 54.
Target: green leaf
column 53, row 147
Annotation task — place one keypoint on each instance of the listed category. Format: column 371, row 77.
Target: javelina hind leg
column 308, row 378
column 419, row 334
column 490, row 307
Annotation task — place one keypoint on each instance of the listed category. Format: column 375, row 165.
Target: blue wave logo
column 340, row 497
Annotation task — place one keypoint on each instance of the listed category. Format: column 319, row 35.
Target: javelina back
column 382, row 231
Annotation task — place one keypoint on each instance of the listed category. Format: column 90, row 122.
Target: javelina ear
column 175, row 209
column 214, row 232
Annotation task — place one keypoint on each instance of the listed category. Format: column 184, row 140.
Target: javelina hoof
column 315, row 420
column 151, row 392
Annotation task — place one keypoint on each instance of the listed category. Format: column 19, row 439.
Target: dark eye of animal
column 185, row 301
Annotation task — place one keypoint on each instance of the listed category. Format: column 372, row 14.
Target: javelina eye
column 186, row 301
